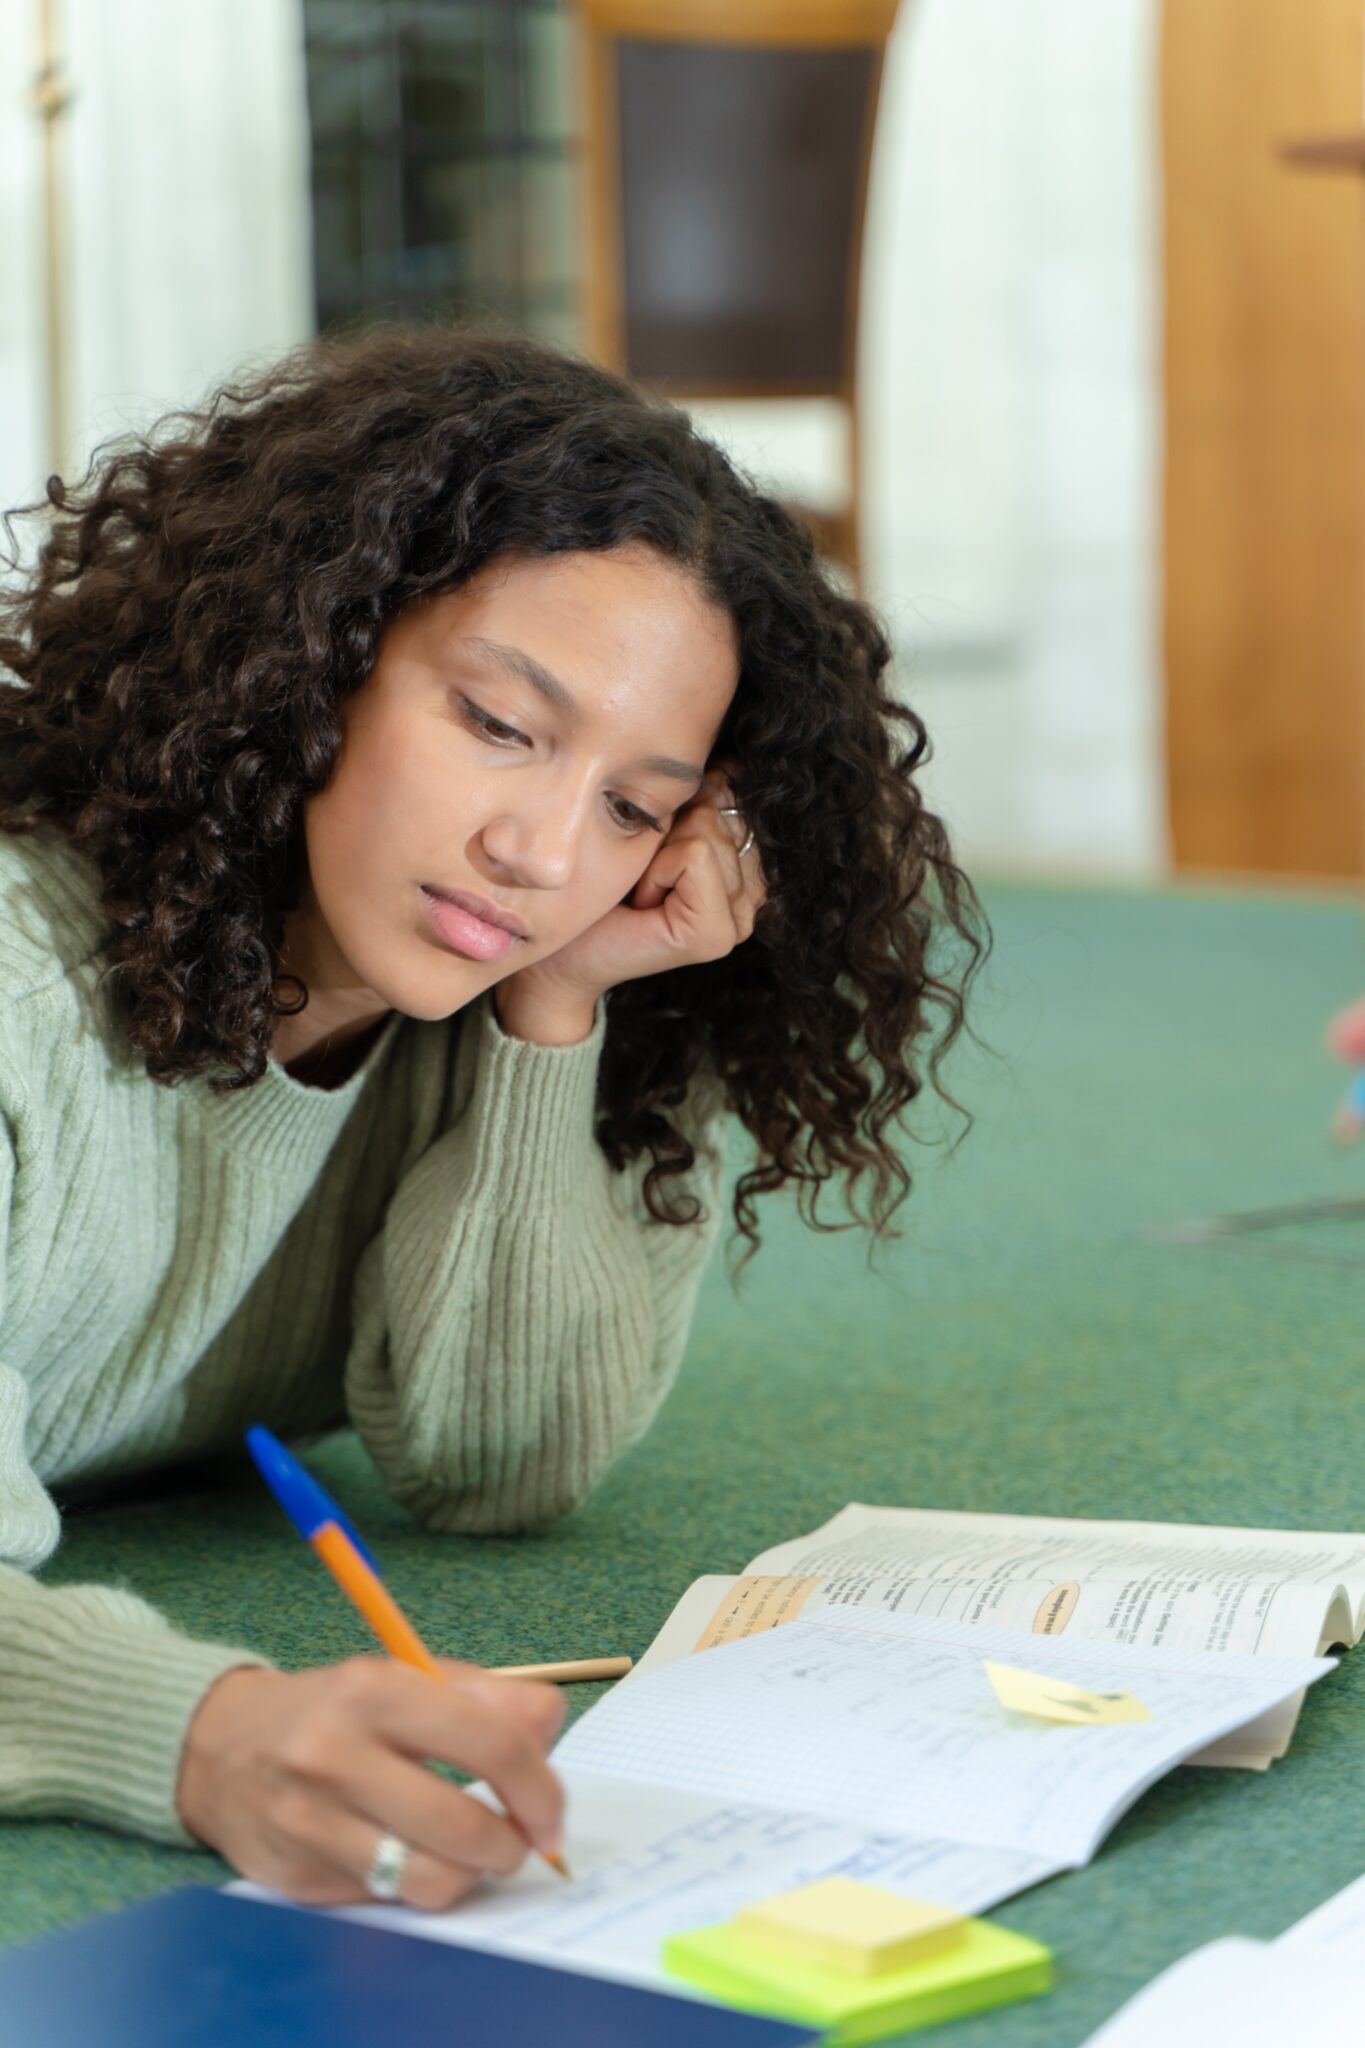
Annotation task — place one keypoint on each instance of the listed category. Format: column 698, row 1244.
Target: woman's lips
column 465, row 933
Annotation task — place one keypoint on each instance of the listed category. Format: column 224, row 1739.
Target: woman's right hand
column 293, row 1777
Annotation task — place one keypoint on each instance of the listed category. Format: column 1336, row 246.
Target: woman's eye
column 628, row 816
column 492, row 728
column 632, row 819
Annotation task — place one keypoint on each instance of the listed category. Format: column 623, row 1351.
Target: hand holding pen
column 317, row 1783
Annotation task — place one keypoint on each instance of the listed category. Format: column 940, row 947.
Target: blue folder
column 202, row 1969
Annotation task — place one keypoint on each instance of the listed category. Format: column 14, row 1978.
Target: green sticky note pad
column 989, row 1966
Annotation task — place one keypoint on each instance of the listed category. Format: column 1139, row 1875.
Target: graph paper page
column 889, row 1721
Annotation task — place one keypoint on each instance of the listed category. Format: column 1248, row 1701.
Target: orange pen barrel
column 379, row 1608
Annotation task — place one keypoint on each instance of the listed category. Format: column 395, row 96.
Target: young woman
column 434, row 789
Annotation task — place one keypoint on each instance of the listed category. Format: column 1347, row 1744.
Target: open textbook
column 857, row 1742
column 1159, row 1585
column 1303, row 1987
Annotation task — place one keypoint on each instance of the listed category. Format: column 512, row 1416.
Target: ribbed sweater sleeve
column 96, row 1689
column 520, row 1317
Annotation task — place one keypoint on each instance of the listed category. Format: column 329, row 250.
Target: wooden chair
column 728, row 144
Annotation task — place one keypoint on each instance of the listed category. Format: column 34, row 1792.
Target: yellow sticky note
column 1050, row 1699
column 839, row 1924
column 990, row 1966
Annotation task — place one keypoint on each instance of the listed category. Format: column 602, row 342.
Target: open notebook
column 859, row 1742
column 1161, row 1585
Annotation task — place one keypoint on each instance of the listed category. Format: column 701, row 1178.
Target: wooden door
column 1264, row 513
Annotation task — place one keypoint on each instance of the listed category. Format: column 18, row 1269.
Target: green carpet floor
column 1022, row 1348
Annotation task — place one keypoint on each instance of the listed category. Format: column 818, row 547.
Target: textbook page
column 648, row 1862
column 1285, row 1592
column 889, row 1720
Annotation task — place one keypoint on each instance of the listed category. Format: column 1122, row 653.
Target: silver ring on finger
column 733, row 811
column 384, row 1878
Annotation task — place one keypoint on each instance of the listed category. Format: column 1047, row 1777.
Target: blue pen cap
column 298, row 1493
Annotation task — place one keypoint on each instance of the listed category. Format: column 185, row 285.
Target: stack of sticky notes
column 858, row 1961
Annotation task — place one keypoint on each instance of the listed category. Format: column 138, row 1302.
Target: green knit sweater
column 436, row 1250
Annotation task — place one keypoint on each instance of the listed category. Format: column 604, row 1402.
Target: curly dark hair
column 206, row 596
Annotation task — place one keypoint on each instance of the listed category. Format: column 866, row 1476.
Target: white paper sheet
column 1303, row 1987
column 1335, row 1930
column 888, row 1720
column 1243, row 1993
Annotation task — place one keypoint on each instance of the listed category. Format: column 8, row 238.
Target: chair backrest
column 728, row 144
column 728, row 153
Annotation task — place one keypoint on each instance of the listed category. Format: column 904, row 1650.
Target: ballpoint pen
column 337, row 1542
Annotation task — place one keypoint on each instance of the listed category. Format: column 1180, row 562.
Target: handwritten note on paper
column 1049, row 1699
column 647, row 1863
column 882, row 1720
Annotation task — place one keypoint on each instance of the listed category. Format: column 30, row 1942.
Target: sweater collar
column 284, row 1118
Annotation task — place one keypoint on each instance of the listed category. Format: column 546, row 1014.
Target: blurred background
column 1048, row 314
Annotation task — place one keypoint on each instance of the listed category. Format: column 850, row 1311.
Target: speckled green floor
column 1021, row 1349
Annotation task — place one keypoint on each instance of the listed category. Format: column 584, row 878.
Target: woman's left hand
column 697, row 900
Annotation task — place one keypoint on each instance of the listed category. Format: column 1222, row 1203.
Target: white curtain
column 185, row 165
column 1011, row 411
column 1012, row 379
column 22, row 383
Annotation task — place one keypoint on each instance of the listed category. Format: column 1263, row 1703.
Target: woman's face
column 521, row 746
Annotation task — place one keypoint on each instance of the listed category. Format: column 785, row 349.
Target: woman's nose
column 538, row 849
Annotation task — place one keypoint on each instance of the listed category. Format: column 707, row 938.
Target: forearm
column 96, row 1693
column 519, row 1320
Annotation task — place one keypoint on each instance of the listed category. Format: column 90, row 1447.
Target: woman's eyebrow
column 554, row 692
